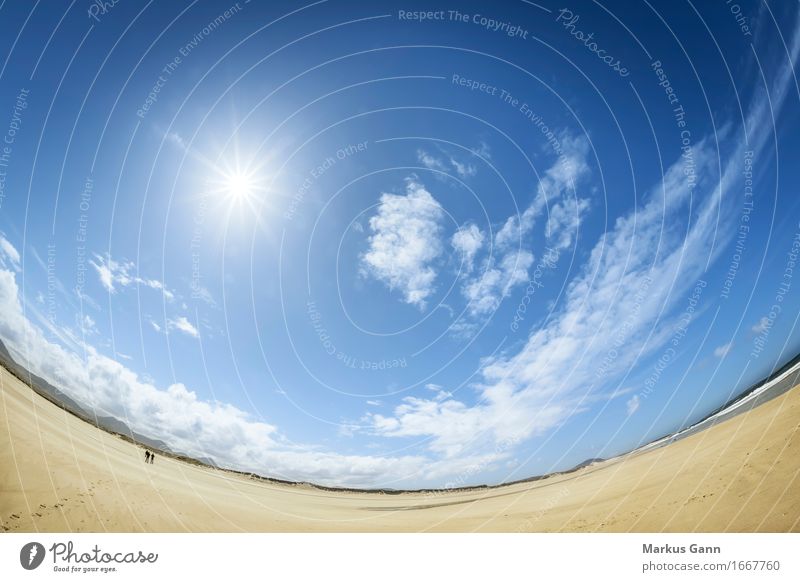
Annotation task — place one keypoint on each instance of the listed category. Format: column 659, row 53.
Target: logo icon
column 31, row 555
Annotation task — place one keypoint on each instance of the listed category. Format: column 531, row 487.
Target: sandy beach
column 61, row 474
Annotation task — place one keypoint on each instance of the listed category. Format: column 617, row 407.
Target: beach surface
column 59, row 473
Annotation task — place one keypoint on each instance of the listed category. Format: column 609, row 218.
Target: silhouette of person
column 147, row 456
column 152, row 457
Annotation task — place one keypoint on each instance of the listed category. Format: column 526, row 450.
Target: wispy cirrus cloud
column 446, row 163
column 183, row 325
column 114, row 274
column 722, row 351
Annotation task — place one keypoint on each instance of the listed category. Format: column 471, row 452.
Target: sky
column 400, row 245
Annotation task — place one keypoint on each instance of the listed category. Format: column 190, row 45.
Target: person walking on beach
column 147, row 456
column 152, row 457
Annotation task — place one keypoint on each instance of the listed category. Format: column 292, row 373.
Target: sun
column 239, row 186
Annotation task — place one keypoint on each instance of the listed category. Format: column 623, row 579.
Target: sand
column 60, row 474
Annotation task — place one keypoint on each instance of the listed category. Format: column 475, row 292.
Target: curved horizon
column 377, row 247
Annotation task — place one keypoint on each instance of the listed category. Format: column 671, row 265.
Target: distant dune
column 60, row 473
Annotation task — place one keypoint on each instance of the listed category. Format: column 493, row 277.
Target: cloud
column 8, row 254
column 183, row 325
column 632, row 405
column 564, row 221
column 114, row 274
column 87, row 325
column 405, row 243
column 486, row 291
column 200, row 292
column 508, row 267
column 430, row 162
column 762, row 326
column 483, row 151
column 561, row 178
column 462, row 169
column 723, row 350
column 467, row 241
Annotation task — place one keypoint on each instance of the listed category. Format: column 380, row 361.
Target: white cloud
column 723, row 350
column 87, row 325
column 114, row 274
column 462, row 169
column 633, row 403
column 508, row 267
column 155, row 326
column 467, row 241
column 175, row 138
column 561, row 178
column 405, row 243
column 431, row 162
column 8, row 254
column 483, row 151
column 762, row 326
column 487, row 290
column 200, row 292
column 564, row 221
column 183, row 325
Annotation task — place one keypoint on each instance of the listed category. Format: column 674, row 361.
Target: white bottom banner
column 416, row 557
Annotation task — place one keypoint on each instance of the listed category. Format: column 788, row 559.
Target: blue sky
column 338, row 243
